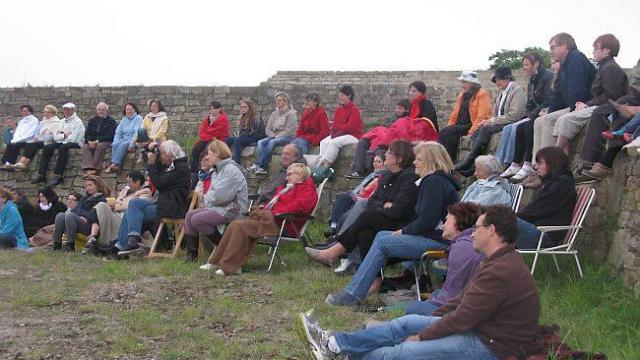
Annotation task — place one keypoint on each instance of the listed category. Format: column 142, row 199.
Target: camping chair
column 585, row 197
column 515, row 190
column 178, row 229
column 274, row 241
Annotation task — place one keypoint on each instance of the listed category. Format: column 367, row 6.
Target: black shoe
column 404, row 281
column 91, row 247
column 331, row 240
column 57, row 246
column 68, row 247
column 113, row 254
column 57, row 180
column 354, row 175
column 132, row 242
column 191, row 256
column 39, row 179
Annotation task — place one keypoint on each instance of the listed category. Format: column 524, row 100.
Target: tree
column 513, row 58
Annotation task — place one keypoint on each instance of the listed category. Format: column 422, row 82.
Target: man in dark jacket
column 172, row 183
column 484, row 321
column 98, row 137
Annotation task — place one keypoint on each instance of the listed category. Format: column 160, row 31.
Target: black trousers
column 63, row 157
column 362, row 159
column 524, row 142
column 11, row 152
column 450, row 138
column 364, row 230
column 196, row 154
column 31, row 149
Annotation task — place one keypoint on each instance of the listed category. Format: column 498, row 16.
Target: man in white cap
column 69, row 136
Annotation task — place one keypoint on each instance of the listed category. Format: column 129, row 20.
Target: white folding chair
column 515, row 190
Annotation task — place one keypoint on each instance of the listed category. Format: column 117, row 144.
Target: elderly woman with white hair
column 489, row 188
column 169, row 174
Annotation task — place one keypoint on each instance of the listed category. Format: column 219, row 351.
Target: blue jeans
column 140, row 211
column 385, row 246
column 422, row 307
column 119, row 151
column 528, row 236
column 507, row 145
column 265, row 149
column 632, row 126
column 237, row 143
column 387, row 341
column 303, row 144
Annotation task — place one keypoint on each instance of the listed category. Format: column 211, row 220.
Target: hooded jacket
column 573, row 82
column 479, row 109
column 491, row 191
column 347, row 121
column 398, row 188
column 228, row 193
column 538, row 93
column 314, row 126
column 172, row 185
column 301, row 199
column 42, row 218
column 218, row 129
column 11, row 224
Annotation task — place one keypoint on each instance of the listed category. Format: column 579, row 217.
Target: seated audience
column 508, row 108
column 77, row 219
column 214, row 126
column 49, row 205
column 485, row 321
column 11, row 228
column 462, row 257
column 124, row 140
column 25, row 133
column 7, row 132
column 98, row 137
column 251, row 130
column 107, row 216
column 436, row 191
column 389, row 208
column 298, row 196
column 313, row 126
column 169, row 174
column 553, row 204
column 155, row 127
column 489, row 188
column 291, row 154
column 69, row 136
column 346, row 128
column 225, row 199
column 281, row 128
column 472, row 107
column 49, row 125
column 22, row 203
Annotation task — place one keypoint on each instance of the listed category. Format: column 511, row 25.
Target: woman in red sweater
column 345, row 130
column 314, row 124
column 213, row 126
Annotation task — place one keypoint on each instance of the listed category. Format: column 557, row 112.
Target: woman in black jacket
column 78, row 219
column 389, row 208
column 49, row 205
column 552, row 205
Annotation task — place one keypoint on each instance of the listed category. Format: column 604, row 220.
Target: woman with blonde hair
column 437, row 190
column 48, row 126
column 251, row 130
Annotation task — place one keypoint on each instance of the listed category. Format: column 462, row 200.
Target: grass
column 72, row 306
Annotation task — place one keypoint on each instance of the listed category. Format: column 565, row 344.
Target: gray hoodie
column 228, row 194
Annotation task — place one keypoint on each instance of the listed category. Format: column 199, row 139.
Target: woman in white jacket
column 49, row 125
column 25, row 133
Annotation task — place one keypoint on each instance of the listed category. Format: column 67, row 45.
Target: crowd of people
column 406, row 203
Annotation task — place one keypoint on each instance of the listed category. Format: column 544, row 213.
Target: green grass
column 84, row 307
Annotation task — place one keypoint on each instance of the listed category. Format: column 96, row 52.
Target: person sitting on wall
column 77, row 219
column 124, row 140
column 107, row 216
column 49, row 125
column 214, row 126
column 154, row 129
column 297, row 196
column 7, row 132
column 489, row 188
column 11, row 227
column 291, row 154
column 509, row 107
column 69, row 136
column 313, row 126
column 485, row 321
column 280, row 130
column 473, row 106
column 98, row 137
column 169, row 174
column 24, row 134
column 225, row 200
column 252, row 129
column 346, row 128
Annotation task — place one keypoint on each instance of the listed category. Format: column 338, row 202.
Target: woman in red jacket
column 297, row 196
column 213, row 126
column 345, row 130
column 314, row 124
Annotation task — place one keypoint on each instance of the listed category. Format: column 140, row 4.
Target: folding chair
column 585, row 197
column 178, row 229
column 274, row 241
column 515, row 190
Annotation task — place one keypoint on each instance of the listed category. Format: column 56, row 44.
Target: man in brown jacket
column 494, row 317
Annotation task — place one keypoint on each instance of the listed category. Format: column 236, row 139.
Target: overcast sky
column 188, row 42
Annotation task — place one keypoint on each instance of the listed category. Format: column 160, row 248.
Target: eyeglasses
column 475, row 227
column 72, row 199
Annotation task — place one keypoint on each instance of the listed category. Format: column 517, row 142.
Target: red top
column 219, row 129
column 314, row 126
column 301, row 199
column 347, row 121
column 415, row 106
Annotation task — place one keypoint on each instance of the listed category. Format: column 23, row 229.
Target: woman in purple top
column 462, row 257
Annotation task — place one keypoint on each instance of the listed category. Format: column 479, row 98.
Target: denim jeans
column 507, row 145
column 341, row 205
column 140, row 211
column 265, row 149
column 385, row 246
column 528, row 236
column 119, row 151
column 237, row 143
column 303, row 144
column 422, row 307
column 387, row 341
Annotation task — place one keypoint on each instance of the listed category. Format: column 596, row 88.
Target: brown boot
column 599, row 172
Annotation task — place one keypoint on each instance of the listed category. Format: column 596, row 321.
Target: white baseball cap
column 469, row 76
column 69, row 105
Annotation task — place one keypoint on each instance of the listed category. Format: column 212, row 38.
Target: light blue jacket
column 12, row 224
column 491, row 191
column 127, row 130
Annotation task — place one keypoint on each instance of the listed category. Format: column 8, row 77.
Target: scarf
column 503, row 99
column 275, row 199
column 48, row 127
column 158, row 118
column 45, row 207
column 415, row 106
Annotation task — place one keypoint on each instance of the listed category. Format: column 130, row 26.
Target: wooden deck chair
column 515, row 190
column 178, row 231
column 585, row 197
column 274, row 241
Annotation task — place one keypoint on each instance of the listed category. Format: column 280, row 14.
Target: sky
column 242, row 43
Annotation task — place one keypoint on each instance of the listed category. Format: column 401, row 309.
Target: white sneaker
column 633, row 148
column 208, row 267
column 219, row 272
column 520, row 175
column 512, row 170
column 345, row 265
column 252, row 167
